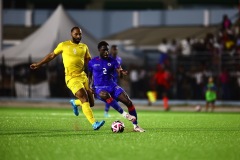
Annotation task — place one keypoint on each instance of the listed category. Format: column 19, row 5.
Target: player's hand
column 124, row 72
column 34, row 66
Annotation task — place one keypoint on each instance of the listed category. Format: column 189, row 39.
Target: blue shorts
column 114, row 91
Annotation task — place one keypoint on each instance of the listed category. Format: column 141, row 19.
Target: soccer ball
column 198, row 108
column 117, row 126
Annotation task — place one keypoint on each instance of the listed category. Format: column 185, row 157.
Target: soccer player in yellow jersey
column 75, row 55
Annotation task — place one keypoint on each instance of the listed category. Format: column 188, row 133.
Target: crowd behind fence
column 189, row 76
column 181, row 67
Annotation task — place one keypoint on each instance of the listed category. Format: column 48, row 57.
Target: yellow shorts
column 76, row 83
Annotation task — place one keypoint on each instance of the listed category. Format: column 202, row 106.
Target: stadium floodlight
column 1, row 26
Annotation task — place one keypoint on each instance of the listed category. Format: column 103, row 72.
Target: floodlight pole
column 1, row 26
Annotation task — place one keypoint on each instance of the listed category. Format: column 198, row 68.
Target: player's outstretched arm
column 86, row 60
column 90, row 81
column 122, row 73
column 46, row 59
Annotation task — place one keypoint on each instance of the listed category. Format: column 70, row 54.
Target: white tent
column 56, row 29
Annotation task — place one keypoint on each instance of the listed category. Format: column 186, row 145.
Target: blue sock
column 132, row 111
column 112, row 102
column 107, row 106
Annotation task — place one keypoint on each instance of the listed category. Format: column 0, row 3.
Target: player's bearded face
column 76, row 36
column 76, row 40
column 104, row 51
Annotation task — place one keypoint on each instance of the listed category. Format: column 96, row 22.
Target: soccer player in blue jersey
column 100, row 74
column 114, row 55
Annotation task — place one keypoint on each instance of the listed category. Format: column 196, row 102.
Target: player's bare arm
column 90, row 81
column 90, row 91
column 46, row 59
column 122, row 73
column 86, row 60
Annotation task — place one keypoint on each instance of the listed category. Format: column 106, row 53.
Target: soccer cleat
column 138, row 129
column 98, row 125
column 106, row 115
column 130, row 117
column 74, row 107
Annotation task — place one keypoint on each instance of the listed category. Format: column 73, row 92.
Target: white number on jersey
column 104, row 70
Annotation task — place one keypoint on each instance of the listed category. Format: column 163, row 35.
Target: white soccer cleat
column 130, row 117
column 138, row 129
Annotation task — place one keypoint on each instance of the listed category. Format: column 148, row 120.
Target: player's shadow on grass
column 53, row 133
column 50, row 133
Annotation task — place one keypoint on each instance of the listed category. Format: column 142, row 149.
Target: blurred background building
column 187, row 40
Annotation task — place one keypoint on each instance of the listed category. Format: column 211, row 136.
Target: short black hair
column 114, row 46
column 102, row 43
column 74, row 28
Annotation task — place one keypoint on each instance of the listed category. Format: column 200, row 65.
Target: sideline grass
column 54, row 134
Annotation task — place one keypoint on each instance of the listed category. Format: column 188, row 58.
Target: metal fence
column 190, row 74
column 189, row 77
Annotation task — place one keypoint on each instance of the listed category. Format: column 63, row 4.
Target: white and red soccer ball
column 198, row 108
column 117, row 126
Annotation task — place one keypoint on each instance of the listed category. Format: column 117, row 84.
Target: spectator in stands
column 226, row 23
column 198, row 83
column 164, row 48
column 216, row 53
column 173, row 47
column 237, row 26
column 173, row 51
column 163, row 82
column 209, row 41
column 237, row 89
column 186, row 50
column 143, row 81
column 181, row 78
column 186, row 46
column 134, row 79
column 224, row 82
column 237, row 49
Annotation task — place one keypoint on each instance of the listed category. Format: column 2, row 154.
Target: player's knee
column 81, row 96
column 90, row 98
column 104, row 95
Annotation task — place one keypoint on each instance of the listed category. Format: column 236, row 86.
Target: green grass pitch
column 56, row 134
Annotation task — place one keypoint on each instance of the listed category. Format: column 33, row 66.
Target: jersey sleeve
column 90, row 69
column 119, row 60
column 58, row 49
column 116, row 64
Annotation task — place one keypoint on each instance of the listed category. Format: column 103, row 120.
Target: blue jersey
column 119, row 60
column 115, row 75
column 103, row 71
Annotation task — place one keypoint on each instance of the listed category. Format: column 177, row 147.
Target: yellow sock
column 87, row 111
column 78, row 102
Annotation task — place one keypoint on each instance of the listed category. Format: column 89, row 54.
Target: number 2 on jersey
column 104, row 70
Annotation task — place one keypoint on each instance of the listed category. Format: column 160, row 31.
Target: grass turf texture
column 53, row 134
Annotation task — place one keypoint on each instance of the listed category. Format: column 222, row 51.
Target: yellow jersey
column 73, row 56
